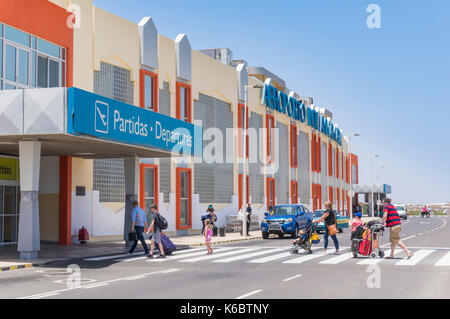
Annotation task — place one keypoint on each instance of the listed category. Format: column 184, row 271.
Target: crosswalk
column 266, row 255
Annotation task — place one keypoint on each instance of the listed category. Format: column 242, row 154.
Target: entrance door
column 148, row 186
column 9, row 214
column 184, row 198
column 270, row 191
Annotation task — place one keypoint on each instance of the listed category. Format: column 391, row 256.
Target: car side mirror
column 266, row 214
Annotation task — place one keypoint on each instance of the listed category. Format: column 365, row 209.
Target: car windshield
column 283, row 210
column 318, row 213
column 400, row 208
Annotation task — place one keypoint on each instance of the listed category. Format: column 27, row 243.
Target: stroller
column 307, row 237
column 366, row 240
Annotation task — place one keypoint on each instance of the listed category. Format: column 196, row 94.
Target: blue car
column 341, row 221
column 285, row 219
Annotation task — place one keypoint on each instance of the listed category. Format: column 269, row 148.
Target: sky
column 390, row 84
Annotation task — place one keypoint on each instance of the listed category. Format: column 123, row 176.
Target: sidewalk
column 9, row 257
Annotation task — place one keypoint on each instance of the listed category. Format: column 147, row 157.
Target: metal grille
column 164, row 100
column 109, row 178
column 282, row 176
column 303, row 172
column 113, row 82
column 214, row 182
column 256, row 179
column 164, row 163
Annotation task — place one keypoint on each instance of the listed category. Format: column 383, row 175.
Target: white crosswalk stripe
column 338, row 259
column 302, row 259
column 374, row 261
column 270, row 258
column 247, row 256
column 213, row 256
column 444, row 261
column 418, row 256
column 198, row 253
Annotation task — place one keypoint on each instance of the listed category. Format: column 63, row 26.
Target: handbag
column 332, row 230
column 132, row 236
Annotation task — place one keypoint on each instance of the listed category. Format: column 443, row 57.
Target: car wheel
column 281, row 235
column 295, row 233
column 265, row 235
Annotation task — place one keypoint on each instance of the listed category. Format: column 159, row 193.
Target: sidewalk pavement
column 9, row 257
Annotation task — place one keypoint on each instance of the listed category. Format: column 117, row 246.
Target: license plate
column 274, row 227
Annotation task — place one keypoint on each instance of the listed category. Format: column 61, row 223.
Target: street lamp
column 244, row 152
column 351, row 172
column 371, row 168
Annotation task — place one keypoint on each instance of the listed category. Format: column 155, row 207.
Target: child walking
column 208, row 236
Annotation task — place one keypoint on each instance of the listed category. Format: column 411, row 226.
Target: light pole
column 351, row 176
column 244, row 152
column 371, row 168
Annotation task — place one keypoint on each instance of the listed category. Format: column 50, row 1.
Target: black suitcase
column 215, row 231
column 132, row 236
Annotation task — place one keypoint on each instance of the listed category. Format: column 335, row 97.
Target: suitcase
column 365, row 247
column 132, row 236
column 168, row 246
column 215, row 231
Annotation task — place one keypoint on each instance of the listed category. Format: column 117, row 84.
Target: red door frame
column 294, row 192
column 269, row 199
column 178, row 198
column 240, row 120
column 270, row 150
column 142, row 183
column 180, row 85
column 154, row 77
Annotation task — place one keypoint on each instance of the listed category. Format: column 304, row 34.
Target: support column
column 131, row 169
column 65, row 200
column 29, row 236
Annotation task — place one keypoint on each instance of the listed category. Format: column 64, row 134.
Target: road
column 253, row 269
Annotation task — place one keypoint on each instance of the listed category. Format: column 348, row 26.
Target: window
column 148, row 192
column 184, row 198
column 241, row 131
column 293, row 146
column 247, row 188
column 330, row 160
column 337, row 163
column 149, row 90
column 294, row 192
column 270, row 126
column 184, row 103
column 27, row 61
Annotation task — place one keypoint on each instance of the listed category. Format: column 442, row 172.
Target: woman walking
column 330, row 226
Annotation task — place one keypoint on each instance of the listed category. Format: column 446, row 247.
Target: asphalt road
column 253, row 269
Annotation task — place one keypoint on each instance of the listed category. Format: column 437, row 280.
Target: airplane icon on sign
column 101, row 117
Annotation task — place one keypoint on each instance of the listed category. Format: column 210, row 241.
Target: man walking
column 138, row 225
column 249, row 218
column 392, row 221
column 156, row 233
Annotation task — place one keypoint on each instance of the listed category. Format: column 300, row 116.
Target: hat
column 358, row 214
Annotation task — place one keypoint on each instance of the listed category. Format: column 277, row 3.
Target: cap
column 358, row 215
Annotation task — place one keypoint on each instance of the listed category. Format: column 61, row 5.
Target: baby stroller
column 307, row 238
column 366, row 240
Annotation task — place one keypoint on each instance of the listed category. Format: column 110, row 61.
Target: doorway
column 9, row 214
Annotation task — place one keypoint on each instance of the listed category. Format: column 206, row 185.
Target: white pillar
column 131, row 169
column 29, row 236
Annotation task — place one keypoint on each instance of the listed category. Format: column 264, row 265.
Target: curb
column 15, row 267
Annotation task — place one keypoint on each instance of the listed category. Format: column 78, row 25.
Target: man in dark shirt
column 249, row 214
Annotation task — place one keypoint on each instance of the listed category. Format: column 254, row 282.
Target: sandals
column 410, row 255
column 388, row 257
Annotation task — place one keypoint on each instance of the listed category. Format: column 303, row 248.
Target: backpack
column 161, row 222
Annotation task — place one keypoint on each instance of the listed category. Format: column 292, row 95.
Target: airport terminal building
column 97, row 111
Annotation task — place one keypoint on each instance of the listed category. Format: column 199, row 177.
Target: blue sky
column 391, row 84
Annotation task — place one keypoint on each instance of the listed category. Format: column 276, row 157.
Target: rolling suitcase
column 168, row 246
column 365, row 247
column 215, row 231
